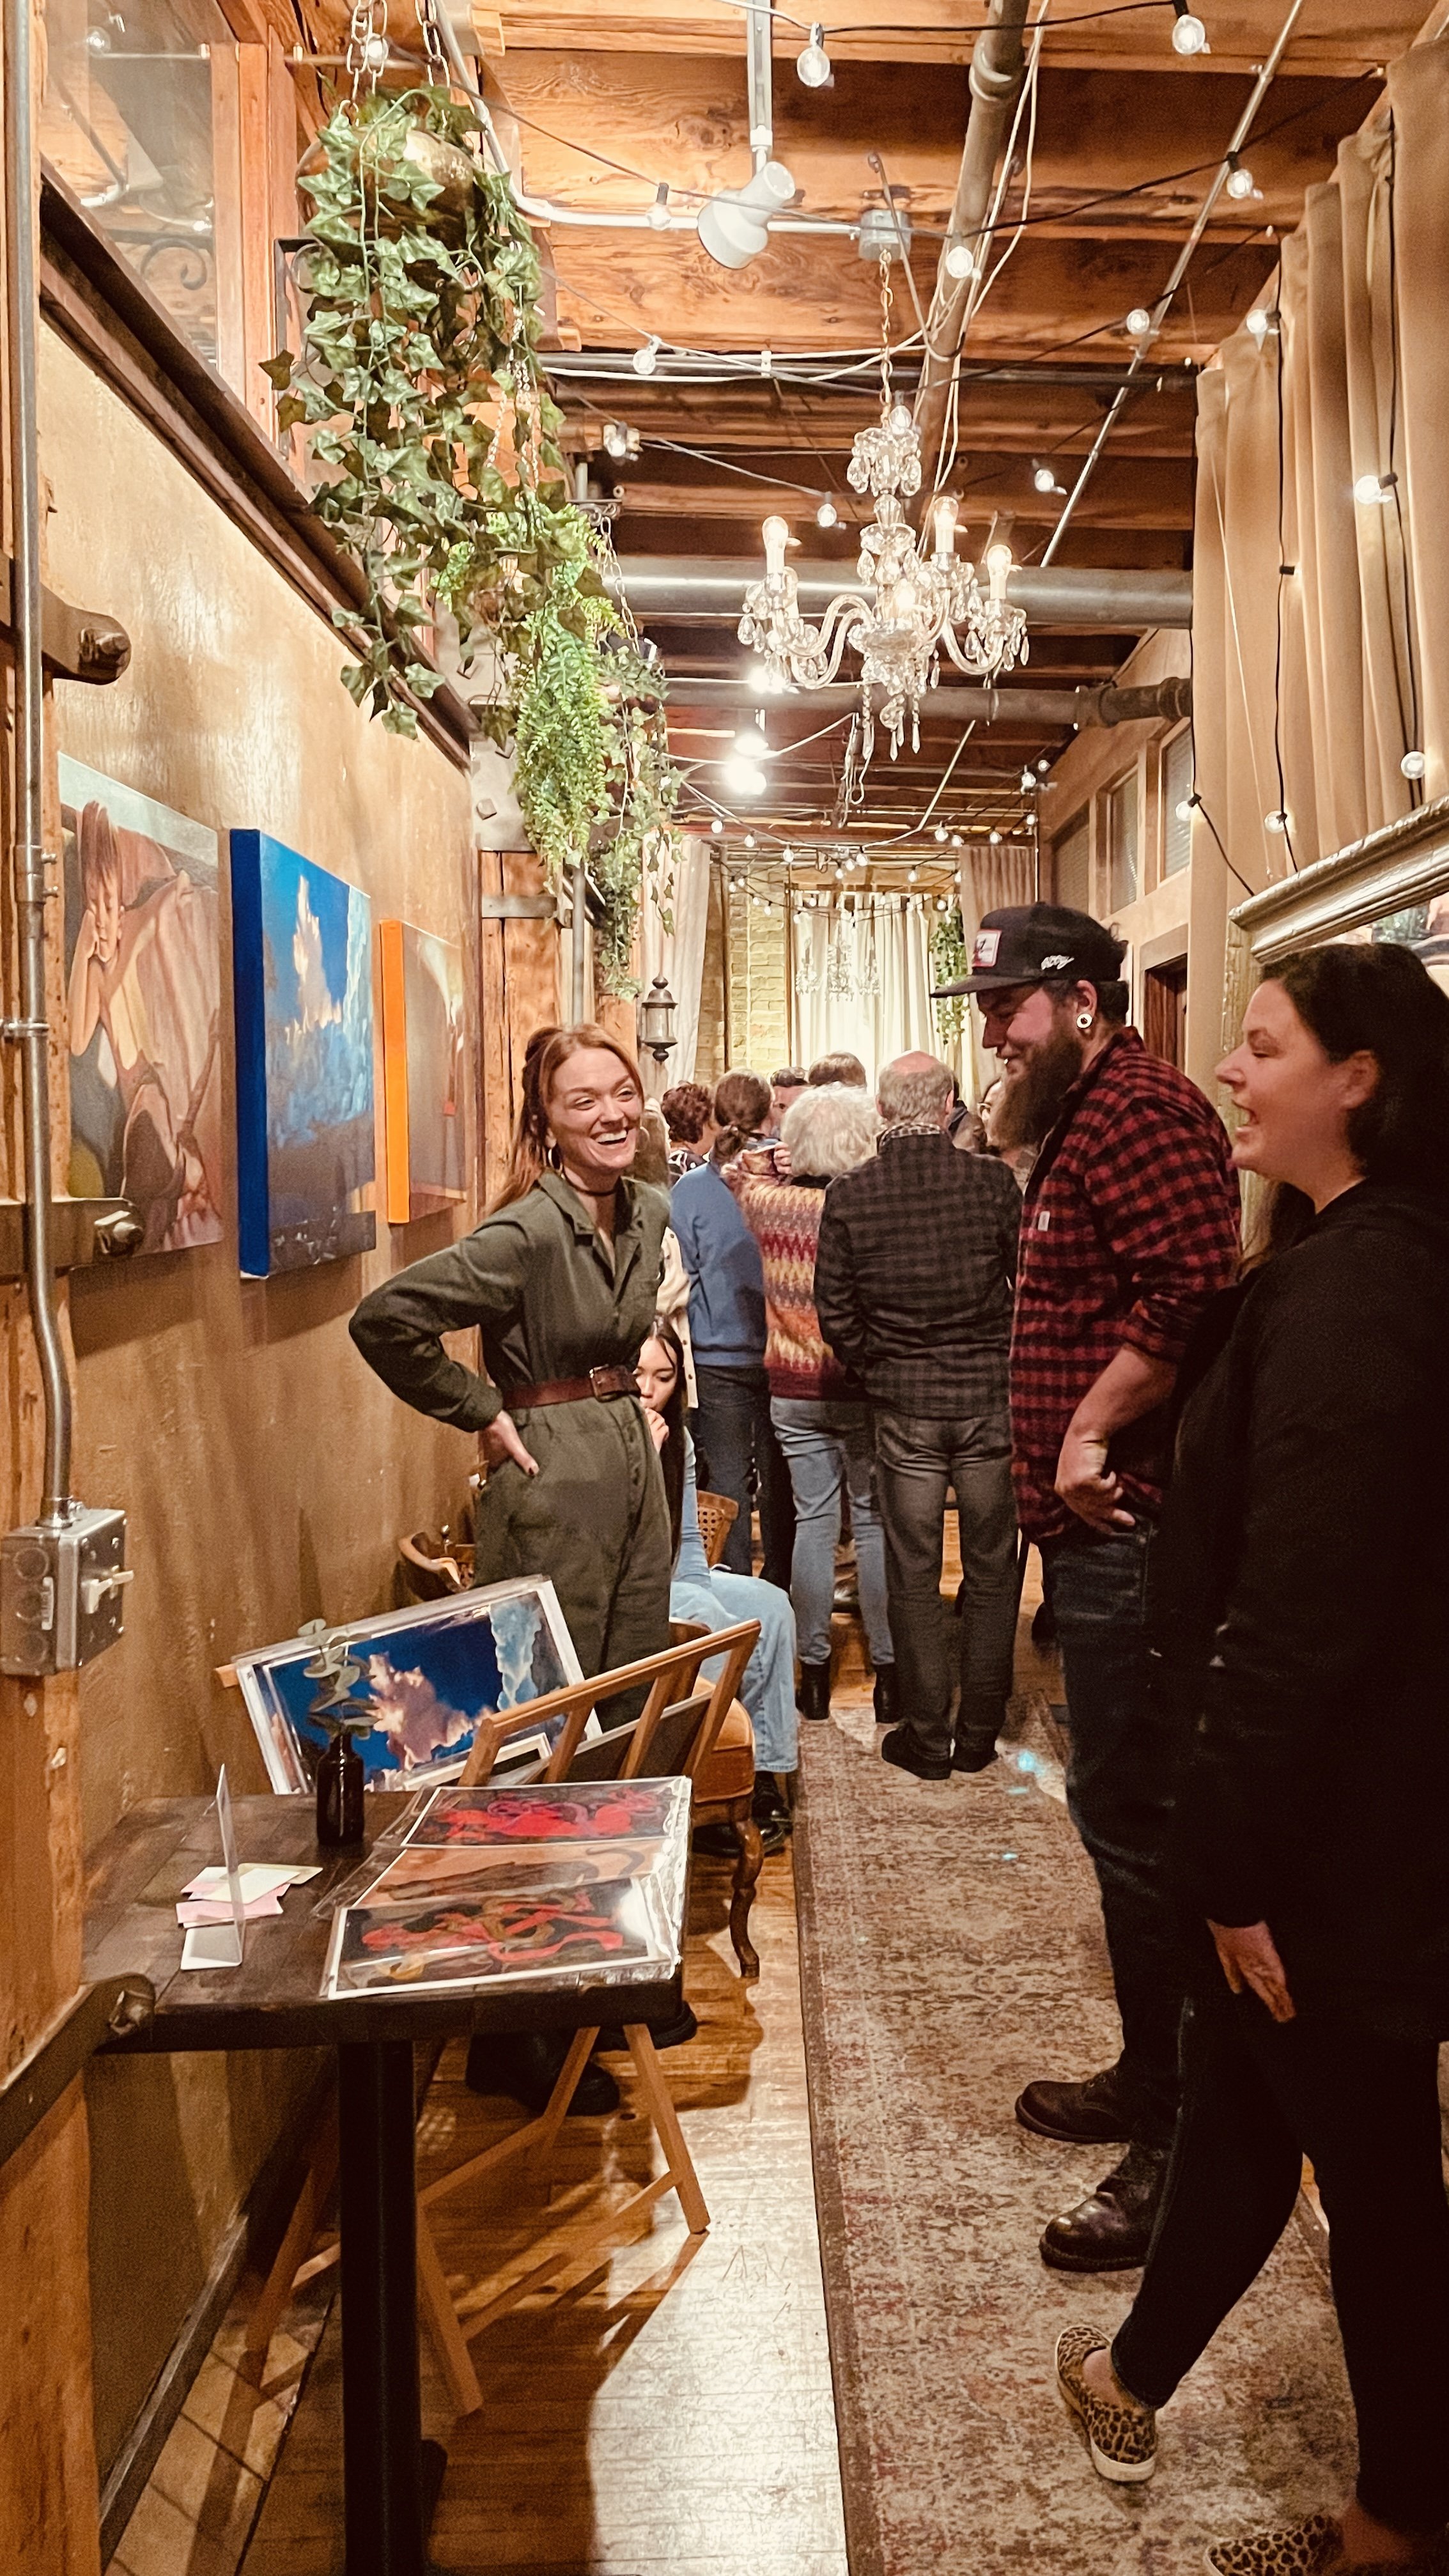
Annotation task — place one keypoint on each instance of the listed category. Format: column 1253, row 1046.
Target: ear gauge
column 1084, row 1021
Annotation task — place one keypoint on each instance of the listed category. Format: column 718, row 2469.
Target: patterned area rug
column 952, row 1950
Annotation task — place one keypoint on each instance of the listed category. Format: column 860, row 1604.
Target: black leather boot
column 1089, row 2114
column 526, row 2066
column 1111, row 2229
column 887, row 1698
column 814, row 1691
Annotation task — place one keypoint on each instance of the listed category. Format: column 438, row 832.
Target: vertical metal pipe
column 578, row 932
column 32, row 1030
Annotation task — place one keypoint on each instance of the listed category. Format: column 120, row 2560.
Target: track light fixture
column 1189, row 35
column 734, row 227
column 813, row 63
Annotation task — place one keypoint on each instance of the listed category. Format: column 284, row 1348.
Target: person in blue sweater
column 727, row 1336
column 717, row 1598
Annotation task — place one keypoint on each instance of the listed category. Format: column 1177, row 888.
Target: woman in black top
column 1299, row 1591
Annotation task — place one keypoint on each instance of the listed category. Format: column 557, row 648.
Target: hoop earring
column 553, row 1157
column 1084, row 1021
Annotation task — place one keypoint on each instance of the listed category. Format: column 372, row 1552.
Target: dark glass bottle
column 339, row 1792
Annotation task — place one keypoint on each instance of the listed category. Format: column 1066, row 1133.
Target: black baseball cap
column 1025, row 943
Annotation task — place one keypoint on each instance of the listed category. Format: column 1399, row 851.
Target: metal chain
column 886, row 301
column 366, row 43
column 433, row 45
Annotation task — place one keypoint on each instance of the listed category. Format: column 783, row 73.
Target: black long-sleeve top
column 1299, row 1597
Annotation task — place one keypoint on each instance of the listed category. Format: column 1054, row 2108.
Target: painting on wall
column 429, row 1674
column 302, row 969
column 144, row 1008
column 423, row 1070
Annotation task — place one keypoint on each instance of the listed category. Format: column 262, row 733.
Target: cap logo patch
column 1049, row 962
column 984, row 950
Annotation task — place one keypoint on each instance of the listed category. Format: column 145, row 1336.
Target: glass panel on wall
column 1124, row 860
column 139, row 118
column 1176, row 789
column 1074, row 866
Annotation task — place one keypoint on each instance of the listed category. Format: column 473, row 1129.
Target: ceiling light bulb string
column 980, row 285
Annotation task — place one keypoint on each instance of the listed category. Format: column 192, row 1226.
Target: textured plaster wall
column 266, row 1473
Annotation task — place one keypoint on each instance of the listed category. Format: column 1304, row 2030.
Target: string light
column 1186, row 807
column 1275, row 822
column 1044, row 476
column 911, row 875
column 743, row 778
column 1138, row 324
column 645, row 360
column 1239, row 182
column 1413, row 764
column 717, row 825
column 750, row 841
column 961, row 260
column 940, row 833
column 993, row 838
column 1375, row 487
column 827, row 516
column 812, row 63
column 1259, row 323
column 1189, row 35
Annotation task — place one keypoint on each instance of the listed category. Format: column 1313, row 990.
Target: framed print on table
column 431, row 1673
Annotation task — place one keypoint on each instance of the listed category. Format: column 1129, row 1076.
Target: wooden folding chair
column 680, row 1719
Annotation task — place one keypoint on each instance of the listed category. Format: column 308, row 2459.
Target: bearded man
column 1129, row 1225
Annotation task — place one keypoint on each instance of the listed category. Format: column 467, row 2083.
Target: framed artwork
column 144, row 1008
column 430, row 1673
column 1393, row 885
column 423, row 1070
column 302, row 971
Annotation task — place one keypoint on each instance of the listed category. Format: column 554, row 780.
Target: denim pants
column 1119, row 1794
column 1258, row 2096
column 828, row 1445
column 917, row 1460
column 733, row 1429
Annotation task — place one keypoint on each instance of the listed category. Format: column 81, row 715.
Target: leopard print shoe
column 1121, row 2439
column 1311, row 2548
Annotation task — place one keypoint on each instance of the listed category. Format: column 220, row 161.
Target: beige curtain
column 882, row 942
column 1330, row 613
column 991, row 878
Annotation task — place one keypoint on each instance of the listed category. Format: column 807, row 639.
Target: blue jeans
column 732, row 1427
column 1119, row 1794
column 768, row 1684
column 918, row 1459
column 827, row 1445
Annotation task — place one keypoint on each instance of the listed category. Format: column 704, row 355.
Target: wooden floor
column 672, row 2407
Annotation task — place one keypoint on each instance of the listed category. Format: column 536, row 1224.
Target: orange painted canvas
column 423, row 1055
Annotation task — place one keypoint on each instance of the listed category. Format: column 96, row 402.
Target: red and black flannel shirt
column 1129, row 1225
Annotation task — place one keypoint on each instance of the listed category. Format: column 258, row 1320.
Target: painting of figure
column 302, row 968
column 423, row 1067
column 144, row 1008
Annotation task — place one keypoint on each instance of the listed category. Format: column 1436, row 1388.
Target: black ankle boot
column 887, row 1703
column 814, row 1692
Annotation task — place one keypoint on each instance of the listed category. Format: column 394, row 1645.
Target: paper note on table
column 258, row 1878
column 207, row 1909
column 221, row 1945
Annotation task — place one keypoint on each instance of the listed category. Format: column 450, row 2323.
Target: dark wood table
column 274, row 2000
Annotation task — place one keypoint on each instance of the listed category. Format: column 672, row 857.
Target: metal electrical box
column 62, row 1592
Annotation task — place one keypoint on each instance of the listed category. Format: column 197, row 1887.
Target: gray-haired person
column 913, row 1283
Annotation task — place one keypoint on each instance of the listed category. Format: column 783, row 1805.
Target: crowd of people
column 1232, row 1467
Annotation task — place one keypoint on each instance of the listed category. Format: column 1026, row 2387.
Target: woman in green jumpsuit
column 560, row 1279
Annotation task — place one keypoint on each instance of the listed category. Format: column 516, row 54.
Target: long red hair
column 547, row 1053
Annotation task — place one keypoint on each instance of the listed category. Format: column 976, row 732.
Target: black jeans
column 917, row 1460
column 1258, row 2096
column 746, row 1463
column 1119, row 1795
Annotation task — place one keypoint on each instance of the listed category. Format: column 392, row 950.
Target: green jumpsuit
column 538, row 1281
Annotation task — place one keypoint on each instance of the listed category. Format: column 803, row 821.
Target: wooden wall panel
column 519, row 992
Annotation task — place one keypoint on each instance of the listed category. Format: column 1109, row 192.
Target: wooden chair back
column 428, row 1572
column 717, row 1517
column 695, row 1710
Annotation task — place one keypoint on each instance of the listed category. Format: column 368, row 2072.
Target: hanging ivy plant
column 419, row 386
column 949, row 963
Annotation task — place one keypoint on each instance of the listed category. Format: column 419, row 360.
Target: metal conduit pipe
column 31, row 1030
column 702, row 589
column 998, row 62
column 1165, row 701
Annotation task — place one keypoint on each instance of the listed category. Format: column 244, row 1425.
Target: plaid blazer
column 913, row 1276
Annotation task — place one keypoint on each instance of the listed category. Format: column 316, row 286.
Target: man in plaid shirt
column 1129, row 1225
column 913, row 1290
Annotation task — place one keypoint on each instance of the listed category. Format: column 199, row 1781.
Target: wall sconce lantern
column 656, row 1020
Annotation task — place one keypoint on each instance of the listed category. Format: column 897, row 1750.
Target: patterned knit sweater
column 784, row 1218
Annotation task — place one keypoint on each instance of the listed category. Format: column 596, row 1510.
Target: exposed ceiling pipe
column 1166, row 700
column 998, row 62
column 1140, row 360
column 707, row 589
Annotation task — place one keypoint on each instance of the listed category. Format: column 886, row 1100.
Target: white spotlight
column 645, row 360
column 812, row 62
column 734, row 226
column 1189, row 35
column 658, row 216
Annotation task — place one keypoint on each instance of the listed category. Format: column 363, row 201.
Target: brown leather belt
column 572, row 1390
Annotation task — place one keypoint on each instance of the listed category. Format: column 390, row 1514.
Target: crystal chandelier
column 918, row 602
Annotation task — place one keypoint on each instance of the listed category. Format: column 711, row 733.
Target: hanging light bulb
column 1044, row 476
column 1185, row 808
column 960, row 260
column 1413, row 764
column 658, row 216
column 1239, row 182
column 718, row 824
column 993, row 838
column 645, row 360
column 911, row 875
column 940, row 833
column 615, row 436
column 743, row 778
column 812, row 63
column 1189, row 35
column 752, row 743
column 750, row 842
column 1259, row 323
column 956, row 841
column 1028, row 778
column 827, row 516
column 1277, row 821
column 789, row 856
column 1138, row 324
column 1375, row 487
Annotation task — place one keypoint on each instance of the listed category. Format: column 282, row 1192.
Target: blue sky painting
column 302, row 952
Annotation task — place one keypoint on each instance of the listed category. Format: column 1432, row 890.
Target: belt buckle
column 594, row 1387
